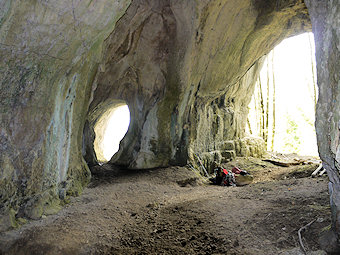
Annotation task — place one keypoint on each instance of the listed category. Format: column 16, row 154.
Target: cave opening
column 282, row 109
column 109, row 130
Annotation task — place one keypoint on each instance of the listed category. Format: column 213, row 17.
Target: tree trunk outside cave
column 273, row 129
column 263, row 114
column 267, row 106
column 313, row 72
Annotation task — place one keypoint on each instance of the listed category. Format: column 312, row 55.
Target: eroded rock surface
column 185, row 68
column 187, row 71
column 49, row 53
column 325, row 16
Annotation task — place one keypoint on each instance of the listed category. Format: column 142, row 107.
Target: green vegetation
column 292, row 138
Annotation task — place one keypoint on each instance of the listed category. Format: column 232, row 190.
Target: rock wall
column 218, row 128
column 325, row 17
column 49, row 53
column 185, row 68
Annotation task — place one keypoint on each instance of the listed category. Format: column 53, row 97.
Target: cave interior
column 186, row 70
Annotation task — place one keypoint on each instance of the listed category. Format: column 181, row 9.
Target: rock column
column 325, row 17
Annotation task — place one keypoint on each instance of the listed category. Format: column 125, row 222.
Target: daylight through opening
column 110, row 129
column 282, row 110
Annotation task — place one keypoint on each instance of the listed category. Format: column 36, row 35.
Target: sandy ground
column 171, row 211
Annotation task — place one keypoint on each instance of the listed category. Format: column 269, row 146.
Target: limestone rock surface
column 49, row 55
column 325, row 17
column 186, row 69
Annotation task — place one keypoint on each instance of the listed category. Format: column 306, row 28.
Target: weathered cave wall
column 325, row 17
column 49, row 52
column 171, row 61
column 140, row 67
column 218, row 133
column 227, row 64
column 185, row 68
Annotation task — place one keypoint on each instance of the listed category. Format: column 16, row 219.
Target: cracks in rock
column 130, row 42
column 124, row 49
column 245, row 43
column 198, row 88
column 76, row 24
column 18, row 50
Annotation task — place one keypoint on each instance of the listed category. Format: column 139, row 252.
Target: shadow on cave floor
column 171, row 211
column 109, row 174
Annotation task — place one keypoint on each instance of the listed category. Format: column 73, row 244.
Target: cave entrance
column 110, row 129
column 282, row 110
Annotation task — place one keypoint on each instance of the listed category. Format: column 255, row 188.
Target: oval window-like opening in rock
column 110, row 129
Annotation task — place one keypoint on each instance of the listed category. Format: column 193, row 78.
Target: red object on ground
column 225, row 171
column 236, row 170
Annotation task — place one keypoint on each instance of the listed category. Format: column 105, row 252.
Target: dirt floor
column 172, row 211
